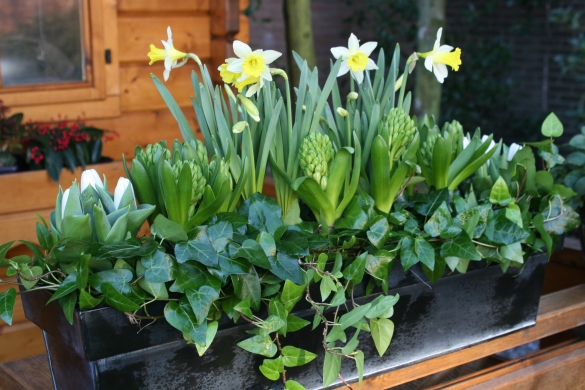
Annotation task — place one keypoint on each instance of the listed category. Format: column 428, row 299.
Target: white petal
column 64, row 202
column 169, row 63
column 119, row 191
column 340, row 51
column 241, row 49
column 371, row 64
column 353, row 44
column 512, row 151
column 236, row 66
column 253, row 89
column 358, row 76
column 429, row 63
column 368, row 47
column 438, row 41
column 270, row 55
column 169, row 33
column 343, row 69
column 230, row 60
column 166, row 74
column 266, row 74
column 466, row 142
column 484, row 138
column 445, row 48
column 443, row 69
column 438, row 75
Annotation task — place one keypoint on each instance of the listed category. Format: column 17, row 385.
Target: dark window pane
column 41, row 42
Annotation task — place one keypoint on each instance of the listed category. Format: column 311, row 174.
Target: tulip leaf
column 118, row 232
column 77, row 227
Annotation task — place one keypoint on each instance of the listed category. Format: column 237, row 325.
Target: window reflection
column 41, row 42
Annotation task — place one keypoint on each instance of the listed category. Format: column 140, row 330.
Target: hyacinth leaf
column 240, row 184
column 312, row 194
column 440, row 164
column 351, row 189
column 142, row 184
column 462, row 159
column 368, row 143
column 380, row 174
column 171, row 195
column 204, row 212
column 184, row 187
column 552, row 126
column 474, row 165
column 186, row 131
column 338, row 170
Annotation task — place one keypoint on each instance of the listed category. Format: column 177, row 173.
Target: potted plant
column 9, row 136
column 379, row 220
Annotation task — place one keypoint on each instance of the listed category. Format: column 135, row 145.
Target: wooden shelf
column 558, row 312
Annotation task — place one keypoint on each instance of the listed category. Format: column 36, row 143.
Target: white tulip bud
column 466, row 142
column 64, row 202
column 512, row 151
column 90, row 177
column 121, row 187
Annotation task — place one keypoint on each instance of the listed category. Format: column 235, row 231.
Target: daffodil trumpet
column 436, row 60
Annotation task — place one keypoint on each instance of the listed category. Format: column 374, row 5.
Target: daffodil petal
column 253, row 89
column 266, row 74
column 270, row 55
column 340, row 51
column 343, row 69
column 429, row 63
column 353, row 44
column 241, row 49
column 236, row 66
column 168, row 63
column 166, row 74
column 445, row 48
column 169, row 33
column 438, row 75
column 368, row 47
column 443, row 69
column 371, row 64
column 358, row 76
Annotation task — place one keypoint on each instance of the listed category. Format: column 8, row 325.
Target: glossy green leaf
column 501, row 231
column 44, row 236
column 29, row 273
column 160, row 267
column 167, row 229
column 67, row 303
column 291, row 294
column 271, row 368
column 67, row 286
column 183, row 319
column 118, row 278
column 261, row 345
column 352, row 317
column 552, row 126
column 355, row 270
column 7, row 300
column 191, row 276
column 247, row 286
column 201, row 301
column 326, row 286
column 199, row 250
column 87, row 301
column 378, row 232
column 359, row 364
column 157, row 290
column 382, row 331
column 293, row 385
column 210, row 333
column 116, row 300
column 380, row 305
column 331, row 368
column 286, row 267
column 500, row 193
column 254, row 253
column 294, row 357
column 441, row 224
column 294, row 323
column 460, row 246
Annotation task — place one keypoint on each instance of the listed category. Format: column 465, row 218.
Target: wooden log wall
column 131, row 105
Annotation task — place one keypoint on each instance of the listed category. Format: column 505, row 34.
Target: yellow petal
column 156, row 54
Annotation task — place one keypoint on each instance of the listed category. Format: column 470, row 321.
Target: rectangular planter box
column 102, row 350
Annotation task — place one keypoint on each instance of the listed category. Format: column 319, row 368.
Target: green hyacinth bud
column 149, row 155
column 426, row 149
column 399, row 130
column 314, row 155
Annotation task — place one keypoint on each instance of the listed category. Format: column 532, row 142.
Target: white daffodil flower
column 251, row 65
column 121, row 187
column 436, row 61
column 169, row 55
column 64, row 202
column 355, row 58
column 512, row 150
column 492, row 144
column 90, row 177
column 466, row 142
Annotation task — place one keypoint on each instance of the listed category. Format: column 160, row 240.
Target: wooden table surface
column 558, row 312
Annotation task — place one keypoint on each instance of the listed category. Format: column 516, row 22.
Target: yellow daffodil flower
column 169, row 54
column 227, row 76
column 252, row 65
column 355, row 58
column 436, row 61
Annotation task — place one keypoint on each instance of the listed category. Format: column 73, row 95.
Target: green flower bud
column 197, row 177
column 314, row 155
column 399, row 131
column 426, row 149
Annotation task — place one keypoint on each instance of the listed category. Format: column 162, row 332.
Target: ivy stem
column 344, row 382
column 280, row 351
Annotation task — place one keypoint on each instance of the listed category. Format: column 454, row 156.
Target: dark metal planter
column 102, row 350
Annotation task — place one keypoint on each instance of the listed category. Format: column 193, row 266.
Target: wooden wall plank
column 163, row 5
column 107, row 108
column 112, row 75
column 244, row 33
column 139, row 92
column 40, row 191
column 24, row 343
column 136, row 33
column 143, row 128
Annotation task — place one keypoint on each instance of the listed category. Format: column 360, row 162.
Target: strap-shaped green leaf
column 171, row 103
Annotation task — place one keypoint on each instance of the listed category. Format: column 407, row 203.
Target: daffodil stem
column 403, row 86
column 351, row 85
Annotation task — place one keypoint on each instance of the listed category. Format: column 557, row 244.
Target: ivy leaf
column 67, row 286
column 210, row 333
column 248, row 286
column 244, row 308
column 83, row 271
column 261, row 345
column 263, row 213
column 293, row 385
column 352, row 344
column 425, row 252
column 552, row 126
column 359, row 364
column 437, row 272
column 501, row 231
column 408, row 255
column 117, row 300
column 44, row 236
column 201, row 301
column 294, row 323
column 126, row 249
column 271, row 368
column 182, row 318
column 460, row 246
column 7, row 301
column 29, row 273
column 336, row 333
column 440, row 224
column 291, row 294
column 381, row 305
column 559, row 218
column 326, row 286
column 379, row 266
column 167, row 229
column 68, row 305
column 118, row 278
column 355, row 270
column 87, row 301
column 357, row 214
column 220, row 230
column 253, row 252
column 157, row 290
column 294, row 357
column 191, row 276
column 382, row 331
column 199, row 249
column 427, row 204
column 379, row 231
column 356, row 314
column 160, row 267
column 286, row 267
column 500, row 194
column 331, row 368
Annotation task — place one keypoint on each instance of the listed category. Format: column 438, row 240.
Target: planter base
column 431, row 319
